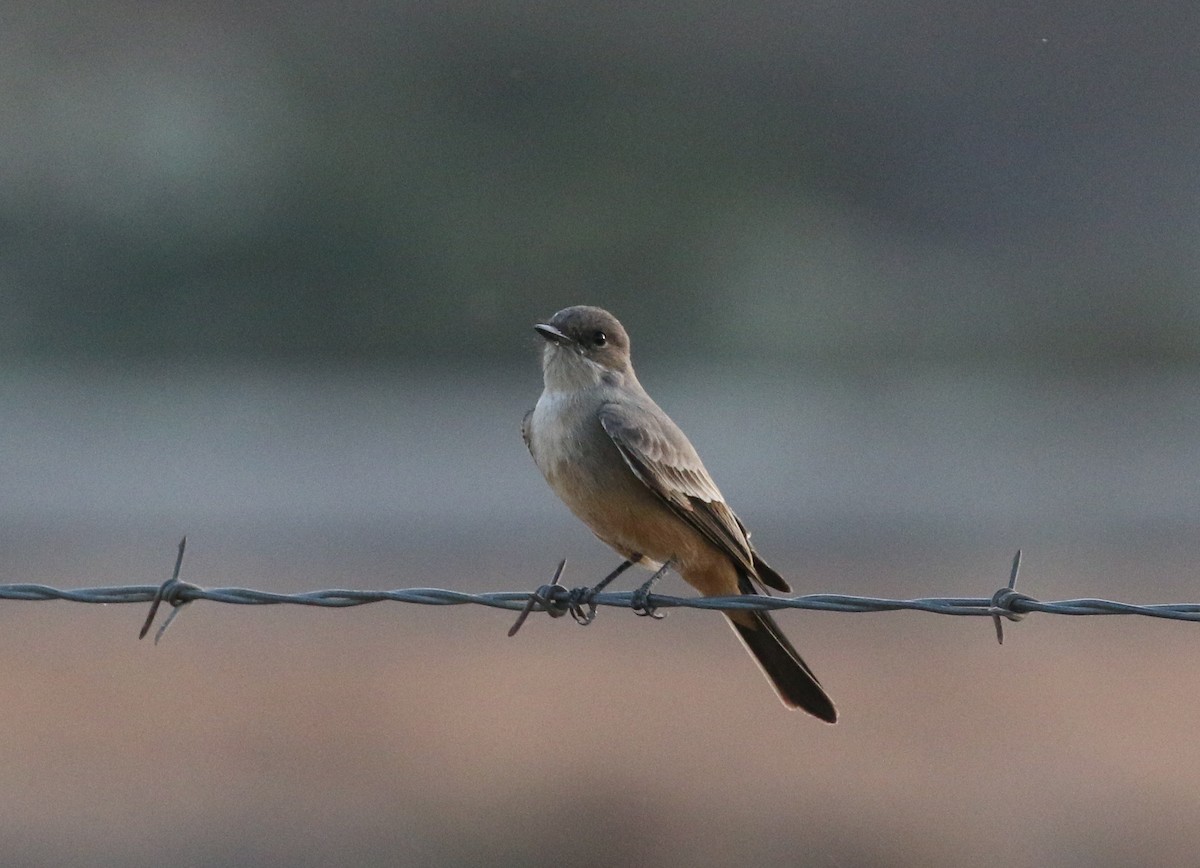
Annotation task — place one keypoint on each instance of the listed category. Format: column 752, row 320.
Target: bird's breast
column 569, row 446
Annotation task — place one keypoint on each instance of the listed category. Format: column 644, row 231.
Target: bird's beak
column 553, row 335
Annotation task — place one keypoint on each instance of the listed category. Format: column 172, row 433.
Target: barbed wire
column 581, row 603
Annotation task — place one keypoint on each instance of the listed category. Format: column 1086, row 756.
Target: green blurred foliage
column 389, row 181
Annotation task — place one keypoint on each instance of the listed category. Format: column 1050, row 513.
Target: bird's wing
column 660, row 455
column 525, row 435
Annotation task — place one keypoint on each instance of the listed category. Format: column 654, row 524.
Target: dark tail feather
column 783, row 666
column 767, row 576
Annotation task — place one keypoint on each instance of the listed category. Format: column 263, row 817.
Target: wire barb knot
column 175, row 593
column 1002, row 604
column 1003, row 599
column 557, row 600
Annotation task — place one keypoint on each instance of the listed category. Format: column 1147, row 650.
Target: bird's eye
column 599, row 339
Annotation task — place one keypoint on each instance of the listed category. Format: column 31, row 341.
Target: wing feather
column 526, row 434
column 660, row 455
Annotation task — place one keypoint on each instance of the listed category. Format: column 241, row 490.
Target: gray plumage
column 628, row 472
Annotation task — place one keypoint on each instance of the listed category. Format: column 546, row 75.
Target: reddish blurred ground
column 398, row 734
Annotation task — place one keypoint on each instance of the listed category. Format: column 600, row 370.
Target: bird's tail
column 783, row 666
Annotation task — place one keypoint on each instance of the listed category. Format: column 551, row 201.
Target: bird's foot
column 640, row 601
column 581, row 601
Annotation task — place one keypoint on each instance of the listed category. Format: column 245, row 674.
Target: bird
column 625, row 469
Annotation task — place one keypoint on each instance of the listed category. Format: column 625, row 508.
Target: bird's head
column 584, row 346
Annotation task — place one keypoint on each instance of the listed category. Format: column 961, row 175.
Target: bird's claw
column 581, row 605
column 640, row 603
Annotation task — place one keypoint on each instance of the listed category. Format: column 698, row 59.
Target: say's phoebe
column 623, row 467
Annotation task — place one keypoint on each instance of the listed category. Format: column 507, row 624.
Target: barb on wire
column 1003, row 599
column 169, row 591
column 543, row 597
column 558, row 600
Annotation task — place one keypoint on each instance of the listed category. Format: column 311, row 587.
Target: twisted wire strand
column 557, row 600
column 340, row 598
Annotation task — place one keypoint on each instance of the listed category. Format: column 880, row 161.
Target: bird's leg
column 604, row 582
column 639, row 602
column 581, row 597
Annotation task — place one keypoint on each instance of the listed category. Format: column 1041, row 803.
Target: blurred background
column 918, row 280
